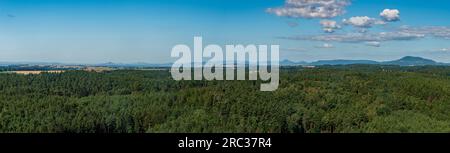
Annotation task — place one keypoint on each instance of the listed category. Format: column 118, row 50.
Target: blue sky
column 96, row 31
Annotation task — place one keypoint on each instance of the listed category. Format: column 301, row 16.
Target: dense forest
column 326, row 99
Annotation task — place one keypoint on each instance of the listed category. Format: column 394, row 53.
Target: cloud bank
column 444, row 49
column 311, row 8
column 404, row 33
column 329, row 26
column 373, row 43
column 432, row 31
column 360, row 37
column 362, row 21
column 326, row 9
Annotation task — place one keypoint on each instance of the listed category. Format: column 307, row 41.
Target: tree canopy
column 327, row 99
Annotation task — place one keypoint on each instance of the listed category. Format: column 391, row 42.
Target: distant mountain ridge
column 343, row 62
column 139, row 64
column 405, row 61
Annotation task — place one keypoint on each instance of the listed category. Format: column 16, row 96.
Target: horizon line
column 161, row 63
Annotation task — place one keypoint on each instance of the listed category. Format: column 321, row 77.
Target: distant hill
column 405, row 61
column 140, row 64
column 291, row 63
column 343, row 62
column 412, row 61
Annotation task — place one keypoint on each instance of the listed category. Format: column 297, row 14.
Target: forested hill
column 322, row 99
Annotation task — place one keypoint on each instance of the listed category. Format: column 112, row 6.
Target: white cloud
column 311, row 8
column 445, row 49
column 390, row 15
column 360, row 37
column 431, row 31
column 373, row 43
column 326, row 45
column 362, row 21
column 329, row 26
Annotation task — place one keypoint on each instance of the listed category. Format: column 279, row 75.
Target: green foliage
column 406, row 121
column 329, row 99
